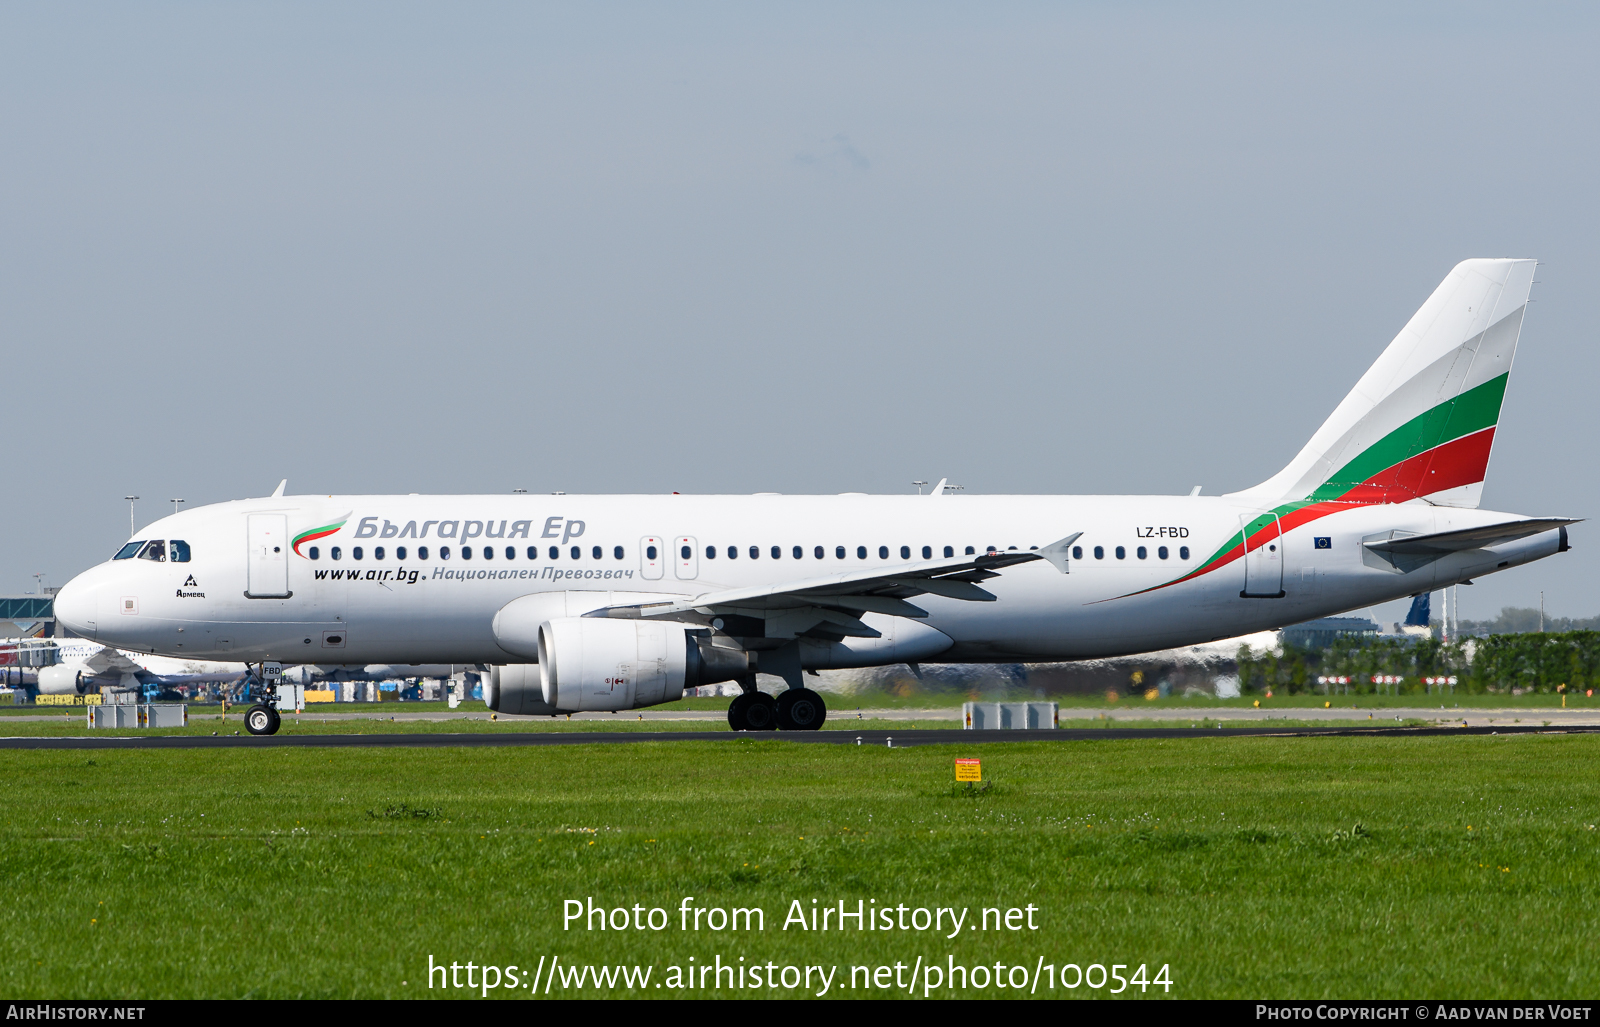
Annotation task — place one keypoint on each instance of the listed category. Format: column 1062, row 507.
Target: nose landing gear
column 262, row 719
column 262, row 685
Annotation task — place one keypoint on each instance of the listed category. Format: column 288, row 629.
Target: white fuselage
column 441, row 610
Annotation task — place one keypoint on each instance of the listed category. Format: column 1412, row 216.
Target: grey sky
column 740, row 248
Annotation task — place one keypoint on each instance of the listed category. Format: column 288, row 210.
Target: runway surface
column 891, row 738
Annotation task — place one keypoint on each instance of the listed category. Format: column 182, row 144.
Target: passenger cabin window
column 178, row 551
column 970, row 551
column 577, row 552
column 755, row 552
column 1142, row 553
column 616, row 553
column 422, row 552
column 949, row 551
column 1183, row 552
column 400, row 552
column 533, row 552
column 711, row 553
column 316, row 553
column 444, row 552
column 154, row 550
column 819, row 552
column 861, row 552
column 733, row 552
column 905, row 552
column 355, row 554
column 1122, row 554
column 1077, row 552
column 777, row 552
column 377, row 553
column 127, row 552
column 466, row 552
column 839, row 553
column 927, row 552
column 488, row 552
column 598, row 552
column 555, row 553
column 686, row 553
column 1099, row 552
column 336, row 552
column 1162, row 552
column 883, row 552
column 649, row 552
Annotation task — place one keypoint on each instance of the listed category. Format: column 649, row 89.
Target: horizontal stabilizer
column 1442, row 542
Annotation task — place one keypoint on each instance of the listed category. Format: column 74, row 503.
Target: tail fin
column 1420, row 424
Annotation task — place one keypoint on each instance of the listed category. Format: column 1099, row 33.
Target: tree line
column 1540, row 662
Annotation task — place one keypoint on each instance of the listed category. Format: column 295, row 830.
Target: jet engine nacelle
column 61, row 680
column 595, row 663
column 604, row 664
column 516, row 688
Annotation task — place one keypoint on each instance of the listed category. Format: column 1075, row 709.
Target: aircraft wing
column 834, row 602
column 1442, row 542
column 110, row 661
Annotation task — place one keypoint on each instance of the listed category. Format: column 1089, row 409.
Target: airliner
column 579, row 603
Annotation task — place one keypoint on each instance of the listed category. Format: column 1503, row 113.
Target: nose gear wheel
column 261, row 719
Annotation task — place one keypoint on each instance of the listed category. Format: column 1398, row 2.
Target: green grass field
column 1238, row 863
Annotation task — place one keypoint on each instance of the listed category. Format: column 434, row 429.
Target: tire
column 262, row 719
column 753, row 711
column 801, row 709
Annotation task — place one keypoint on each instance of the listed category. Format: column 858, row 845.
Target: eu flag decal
column 1323, row 542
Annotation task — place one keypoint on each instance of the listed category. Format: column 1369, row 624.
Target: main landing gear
column 796, row 709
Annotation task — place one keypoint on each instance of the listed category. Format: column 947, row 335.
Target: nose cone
column 75, row 606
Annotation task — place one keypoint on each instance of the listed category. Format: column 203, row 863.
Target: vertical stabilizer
column 1420, row 424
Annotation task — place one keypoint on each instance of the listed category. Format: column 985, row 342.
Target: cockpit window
column 155, row 550
column 180, row 550
column 127, row 552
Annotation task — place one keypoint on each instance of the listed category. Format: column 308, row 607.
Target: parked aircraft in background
column 82, row 667
column 617, row 602
column 313, row 673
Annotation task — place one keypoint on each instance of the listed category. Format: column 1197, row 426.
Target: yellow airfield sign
column 969, row 770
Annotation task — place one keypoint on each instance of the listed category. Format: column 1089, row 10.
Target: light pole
column 919, row 485
column 175, row 503
column 131, row 500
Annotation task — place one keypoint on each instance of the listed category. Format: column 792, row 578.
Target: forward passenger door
column 268, row 556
